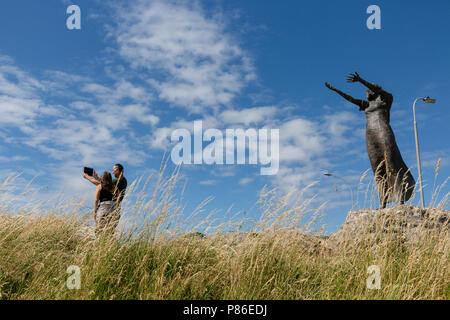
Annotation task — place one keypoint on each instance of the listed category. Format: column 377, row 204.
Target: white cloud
column 338, row 124
column 197, row 62
column 17, row 83
column 120, row 90
column 160, row 138
column 13, row 158
column 92, row 130
column 225, row 171
column 248, row 116
column 245, row 181
column 17, row 111
column 208, row 182
column 19, row 101
column 301, row 141
column 308, row 147
column 296, row 177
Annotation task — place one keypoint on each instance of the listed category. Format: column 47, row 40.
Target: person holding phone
column 105, row 215
column 119, row 183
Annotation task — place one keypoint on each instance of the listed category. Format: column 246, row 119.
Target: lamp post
column 345, row 181
column 426, row 100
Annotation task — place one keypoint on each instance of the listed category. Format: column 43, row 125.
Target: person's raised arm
column 354, row 77
column 94, row 179
column 97, row 199
column 363, row 104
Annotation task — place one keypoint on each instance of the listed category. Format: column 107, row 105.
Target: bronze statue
column 394, row 180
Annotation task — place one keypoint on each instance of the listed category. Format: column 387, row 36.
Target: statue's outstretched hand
column 329, row 86
column 353, row 77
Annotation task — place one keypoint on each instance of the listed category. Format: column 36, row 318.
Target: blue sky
column 116, row 89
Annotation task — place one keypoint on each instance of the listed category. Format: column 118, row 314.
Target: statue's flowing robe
column 394, row 180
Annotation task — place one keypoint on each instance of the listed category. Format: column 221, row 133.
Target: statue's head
column 372, row 95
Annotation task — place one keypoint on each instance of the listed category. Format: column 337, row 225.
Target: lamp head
column 429, row 100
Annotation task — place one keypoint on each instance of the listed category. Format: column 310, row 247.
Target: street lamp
column 426, row 100
column 345, row 181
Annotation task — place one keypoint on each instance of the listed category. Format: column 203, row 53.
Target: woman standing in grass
column 105, row 215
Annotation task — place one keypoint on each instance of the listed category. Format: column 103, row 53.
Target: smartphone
column 88, row 171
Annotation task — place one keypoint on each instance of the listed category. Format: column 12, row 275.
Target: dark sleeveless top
column 105, row 195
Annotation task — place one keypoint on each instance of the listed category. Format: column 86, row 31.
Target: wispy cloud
column 93, row 129
column 13, row 158
column 190, row 59
column 20, row 104
column 248, row 116
column 208, row 182
column 245, row 181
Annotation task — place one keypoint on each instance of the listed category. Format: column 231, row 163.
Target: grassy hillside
column 273, row 261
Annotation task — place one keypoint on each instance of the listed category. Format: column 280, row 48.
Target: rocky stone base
column 402, row 221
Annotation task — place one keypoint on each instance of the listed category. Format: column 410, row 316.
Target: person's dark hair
column 119, row 166
column 106, row 181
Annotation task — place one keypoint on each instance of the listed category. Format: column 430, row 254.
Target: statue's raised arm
column 355, row 77
column 363, row 104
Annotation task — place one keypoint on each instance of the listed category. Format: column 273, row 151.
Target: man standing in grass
column 119, row 183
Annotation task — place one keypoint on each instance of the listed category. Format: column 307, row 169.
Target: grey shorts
column 107, row 217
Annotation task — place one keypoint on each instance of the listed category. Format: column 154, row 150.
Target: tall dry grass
column 164, row 256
